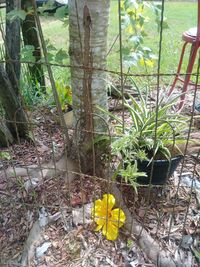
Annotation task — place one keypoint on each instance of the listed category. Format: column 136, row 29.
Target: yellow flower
column 107, row 218
column 147, row 62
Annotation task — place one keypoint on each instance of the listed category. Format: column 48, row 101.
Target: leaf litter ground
column 66, row 242
column 71, row 244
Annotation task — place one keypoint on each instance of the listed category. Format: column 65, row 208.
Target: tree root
column 35, row 235
column 65, row 166
column 149, row 246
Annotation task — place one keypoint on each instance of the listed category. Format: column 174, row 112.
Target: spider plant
column 152, row 132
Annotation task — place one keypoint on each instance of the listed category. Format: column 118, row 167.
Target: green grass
column 55, row 31
column 180, row 16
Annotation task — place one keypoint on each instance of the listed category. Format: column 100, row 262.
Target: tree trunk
column 88, row 23
column 16, row 125
column 13, row 46
column 6, row 137
column 30, row 37
column 14, row 114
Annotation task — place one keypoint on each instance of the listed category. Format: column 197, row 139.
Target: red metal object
column 191, row 36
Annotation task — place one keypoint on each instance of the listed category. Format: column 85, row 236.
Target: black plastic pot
column 162, row 170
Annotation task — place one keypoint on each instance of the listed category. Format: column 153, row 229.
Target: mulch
column 159, row 211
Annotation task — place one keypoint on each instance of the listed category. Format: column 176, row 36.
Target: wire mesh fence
column 144, row 206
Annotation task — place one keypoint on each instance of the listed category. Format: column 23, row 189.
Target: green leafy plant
column 152, row 132
column 64, row 93
column 5, row 155
column 197, row 255
column 130, row 174
column 31, row 92
column 130, row 243
column 27, row 53
column 62, row 14
column 140, row 137
column 134, row 19
column 54, row 55
column 16, row 14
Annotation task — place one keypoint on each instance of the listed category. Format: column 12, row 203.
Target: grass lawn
column 180, row 16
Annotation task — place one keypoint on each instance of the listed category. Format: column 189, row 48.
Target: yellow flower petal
column 98, row 227
column 110, row 231
column 142, row 62
column 96, row 208
column 108, row 202
column 107, row 219
column 97, row 204
column 117, row 217
column 100, row 221
column 149, row 63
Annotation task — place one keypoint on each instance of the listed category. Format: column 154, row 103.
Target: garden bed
column 20, row 204
column 19, row 209
column 68, row 241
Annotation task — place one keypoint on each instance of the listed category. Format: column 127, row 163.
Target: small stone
column 186, row 241
column 82, row 215
column 31, row 184
column 42, row 249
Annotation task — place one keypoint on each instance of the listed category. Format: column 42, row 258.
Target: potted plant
column 148, row 144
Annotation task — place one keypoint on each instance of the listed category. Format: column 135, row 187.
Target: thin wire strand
column 157, row 109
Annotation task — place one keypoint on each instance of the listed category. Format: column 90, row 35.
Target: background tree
column 88, row 24
column 14, row 113
column 13, row 45
column 16, row 122
column 30, row 37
